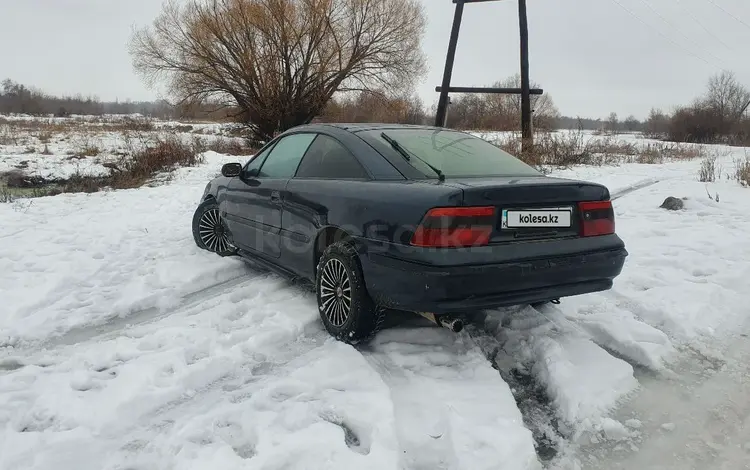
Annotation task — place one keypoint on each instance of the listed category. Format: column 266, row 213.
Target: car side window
column 284, row 158
column 257, row 160
column 327, row 158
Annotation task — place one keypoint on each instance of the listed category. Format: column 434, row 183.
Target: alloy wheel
column 335, row 292
column 212, row 231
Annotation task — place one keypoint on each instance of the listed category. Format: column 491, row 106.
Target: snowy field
column 124, row 346
column 52, row 147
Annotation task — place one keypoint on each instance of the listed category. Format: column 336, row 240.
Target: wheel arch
column 327, row 236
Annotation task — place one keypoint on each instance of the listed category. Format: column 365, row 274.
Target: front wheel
column 209, row 231
column 346, row 309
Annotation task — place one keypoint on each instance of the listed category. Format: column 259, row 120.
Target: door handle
column 275, row 196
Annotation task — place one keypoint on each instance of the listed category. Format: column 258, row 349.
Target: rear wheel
column 209, row 231
column 346, row 309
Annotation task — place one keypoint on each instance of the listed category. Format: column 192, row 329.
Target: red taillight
column 453, row 227
column 597, row 218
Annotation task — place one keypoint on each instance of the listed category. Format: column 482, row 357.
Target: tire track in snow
column 423, row 432
column 174, row 394
column 144, row 316
column 498, row 338
column 114, row 326
column 635, row 187
column 451, row 409
column 535, row 405
column 567, row 378
column 235, row 386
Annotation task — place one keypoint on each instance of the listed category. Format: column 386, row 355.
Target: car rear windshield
column 455, row 154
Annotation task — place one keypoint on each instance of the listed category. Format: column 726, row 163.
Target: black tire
column 339, row 273
column 209, row 231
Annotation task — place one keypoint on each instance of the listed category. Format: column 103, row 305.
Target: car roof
column 365, row 126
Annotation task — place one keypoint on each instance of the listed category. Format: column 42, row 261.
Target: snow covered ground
column 126, row 347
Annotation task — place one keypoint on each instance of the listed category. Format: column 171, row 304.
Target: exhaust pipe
column 446, row 321
column 453, row 324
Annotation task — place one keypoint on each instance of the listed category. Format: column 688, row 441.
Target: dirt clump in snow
column 672, row 204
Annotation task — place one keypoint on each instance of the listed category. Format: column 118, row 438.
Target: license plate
column 532, row 218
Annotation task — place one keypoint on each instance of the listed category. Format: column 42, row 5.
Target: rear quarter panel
column 386, row 211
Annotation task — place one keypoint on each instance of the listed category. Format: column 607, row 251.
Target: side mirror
column 230, row 170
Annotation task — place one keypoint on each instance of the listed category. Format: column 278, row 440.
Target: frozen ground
column 126, row 347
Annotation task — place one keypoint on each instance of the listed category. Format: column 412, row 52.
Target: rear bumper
column 408, row 285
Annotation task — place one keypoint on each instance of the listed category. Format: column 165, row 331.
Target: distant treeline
column 719, row 116
column 16, row 98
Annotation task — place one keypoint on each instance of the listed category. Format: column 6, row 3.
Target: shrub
column 707, row 171
column 19, row 179
column 165, row 155
column 79, row 183
column 700, row 125
column 231, row 147
column 87, row 150
column 565, row 149
column 657, row 124
column 183, row 128
column 131, row 124
column 742, row 171
column 6, row 196
column 9, row 134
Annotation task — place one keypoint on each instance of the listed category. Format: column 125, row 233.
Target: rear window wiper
column 405, row 153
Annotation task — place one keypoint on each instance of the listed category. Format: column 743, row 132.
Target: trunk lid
column 531, row 208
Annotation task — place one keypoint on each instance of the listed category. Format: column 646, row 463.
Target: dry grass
column 146, row 153
column 187, row 128
column 88, row 150
column 566, row 149
column 18, row 179
column 145, row 160
column 742, row 171
column 45, row 128
column 79, row 183
column 707, row 172
column 162, row 155
column 9, row 135
column 6, row 195
column 230, row 147
column 44, row 137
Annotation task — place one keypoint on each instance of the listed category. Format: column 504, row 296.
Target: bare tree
column 368, row 107
column 613, row 123
column 657, row 124
column 631, row 123
column 501, row 111
column 281, row 61
column 726, row 95
column 545, row 111
column 471, row 111
column 715, row 117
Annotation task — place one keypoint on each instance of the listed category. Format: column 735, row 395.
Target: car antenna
column 404, row 153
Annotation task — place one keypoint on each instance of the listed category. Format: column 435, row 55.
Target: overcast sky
column 591, row 56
